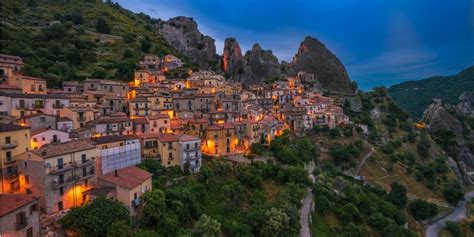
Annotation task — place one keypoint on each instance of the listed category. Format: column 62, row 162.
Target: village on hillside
column 61, row 148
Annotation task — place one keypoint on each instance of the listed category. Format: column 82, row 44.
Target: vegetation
column 288, row 149
column 235, row 200
column 61, row 40
column 422, row 210
column 415, row 96
column 97, row 218
column 347, row 208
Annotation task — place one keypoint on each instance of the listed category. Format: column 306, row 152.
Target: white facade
column 190, row 151
column 120, row 157
column 49, row 136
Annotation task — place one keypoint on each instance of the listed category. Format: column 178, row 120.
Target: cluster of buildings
column 62, row 148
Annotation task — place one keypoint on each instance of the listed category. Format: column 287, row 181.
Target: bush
column 422, row 210
column 454, row 229
column 102, row 26
column 453, row 193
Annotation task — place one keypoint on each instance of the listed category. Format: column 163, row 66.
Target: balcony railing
column 84, row 163
column 192, row 149
column 38, row 106
column 10, row 145
column 67, row 181
column 60, row 169
column 58, row 106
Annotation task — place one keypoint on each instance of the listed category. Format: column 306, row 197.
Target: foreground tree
column 207, row 227
column 96, row 218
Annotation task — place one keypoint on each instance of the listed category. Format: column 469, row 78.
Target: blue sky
column 381, row 42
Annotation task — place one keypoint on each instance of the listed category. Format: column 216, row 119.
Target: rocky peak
column 256, row 48
column 313, row 57
column 466, row 103
column 232, row 59
column 182, row 33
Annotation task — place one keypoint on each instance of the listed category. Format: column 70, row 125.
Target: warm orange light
column 220, row 122
column 187, row 84
column 74, row 195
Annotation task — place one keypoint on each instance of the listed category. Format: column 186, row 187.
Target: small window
column 61, row 191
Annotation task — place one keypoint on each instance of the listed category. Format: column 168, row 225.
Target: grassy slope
column 415, row 96
column 23, row 24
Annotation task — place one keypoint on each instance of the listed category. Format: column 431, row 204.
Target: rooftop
column 11, row 202
column 129, row 177
column 57, row 149
column 7, row 127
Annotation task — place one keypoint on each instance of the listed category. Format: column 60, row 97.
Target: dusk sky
column 379, row 42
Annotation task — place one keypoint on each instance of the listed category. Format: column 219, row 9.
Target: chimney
column 116, row 173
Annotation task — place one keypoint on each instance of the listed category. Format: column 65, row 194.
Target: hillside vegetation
column 73, row 40
column 415, row 96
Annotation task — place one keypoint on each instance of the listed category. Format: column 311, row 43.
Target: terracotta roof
column 7, row 127
column 57, row 149
column 158, row 116
column 140, row 120
column 149, row 135
column 11, row 202
column 38, row 131
column 187, row 138
column 167, row 137
column 129, row 177
column 111, row 138
column 10, row 87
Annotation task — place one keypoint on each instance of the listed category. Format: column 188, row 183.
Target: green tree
column 276, row 223
column 423, row 146
column 96, row 217
column 120, row 229
column 398, row 195
column 154, row 207
column 453, row 193
column 102, row 26
column 207, row 227
column 454, row 229
column 422, row 209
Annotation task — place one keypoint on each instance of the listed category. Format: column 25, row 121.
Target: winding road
column 305, row 211
column 458, row 214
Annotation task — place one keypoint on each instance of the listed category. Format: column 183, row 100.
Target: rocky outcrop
column 313, row 57
column 182, row 33
column 232, row 61
column 466, row 103
column 441, row 117
column 257, row 66
column 260, row 65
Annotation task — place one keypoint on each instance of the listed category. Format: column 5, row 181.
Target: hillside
column 60, row 40
column 415, row 96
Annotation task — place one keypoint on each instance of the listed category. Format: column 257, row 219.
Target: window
column 43, row 139
column 60, row 206
column 9, row 155
column 166, row 121
column 20, row 220
column 83, row 158
column 61, row 191
column 8, row 140
column 25, row 164
column 35, row 139
column 84, row 172
column 33, row 208
column 170, row 155
column 27, row 179
column 60, row 163
column 187, row 146
column 61, row 179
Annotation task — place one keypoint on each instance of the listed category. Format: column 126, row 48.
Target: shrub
column 422, row 209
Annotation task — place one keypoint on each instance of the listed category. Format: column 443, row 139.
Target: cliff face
column 443, row 118
column 232, row 62
column 182, row 33
column 255, row 67
column 314, row 57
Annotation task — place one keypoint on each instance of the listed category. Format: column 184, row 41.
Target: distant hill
column 62, row 40
column 415, row 96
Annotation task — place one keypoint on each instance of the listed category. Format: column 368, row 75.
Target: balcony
column 84, row 163
column 136, row 202
column 10, row 145
column 38, row 106
column 81, row 119
column 69, row 180
column 21, row 106
column 190, row 149
column 58, row 106
column 60, row 169
column 89, row 174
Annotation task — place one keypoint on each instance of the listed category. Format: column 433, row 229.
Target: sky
column 380, row 42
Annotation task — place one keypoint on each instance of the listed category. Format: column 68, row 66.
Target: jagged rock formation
column 182, row 33
column 314, row 57
column 232, row 61
column 256, row 66
column 441, row 117
column 260, row 65
column 466, row 103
